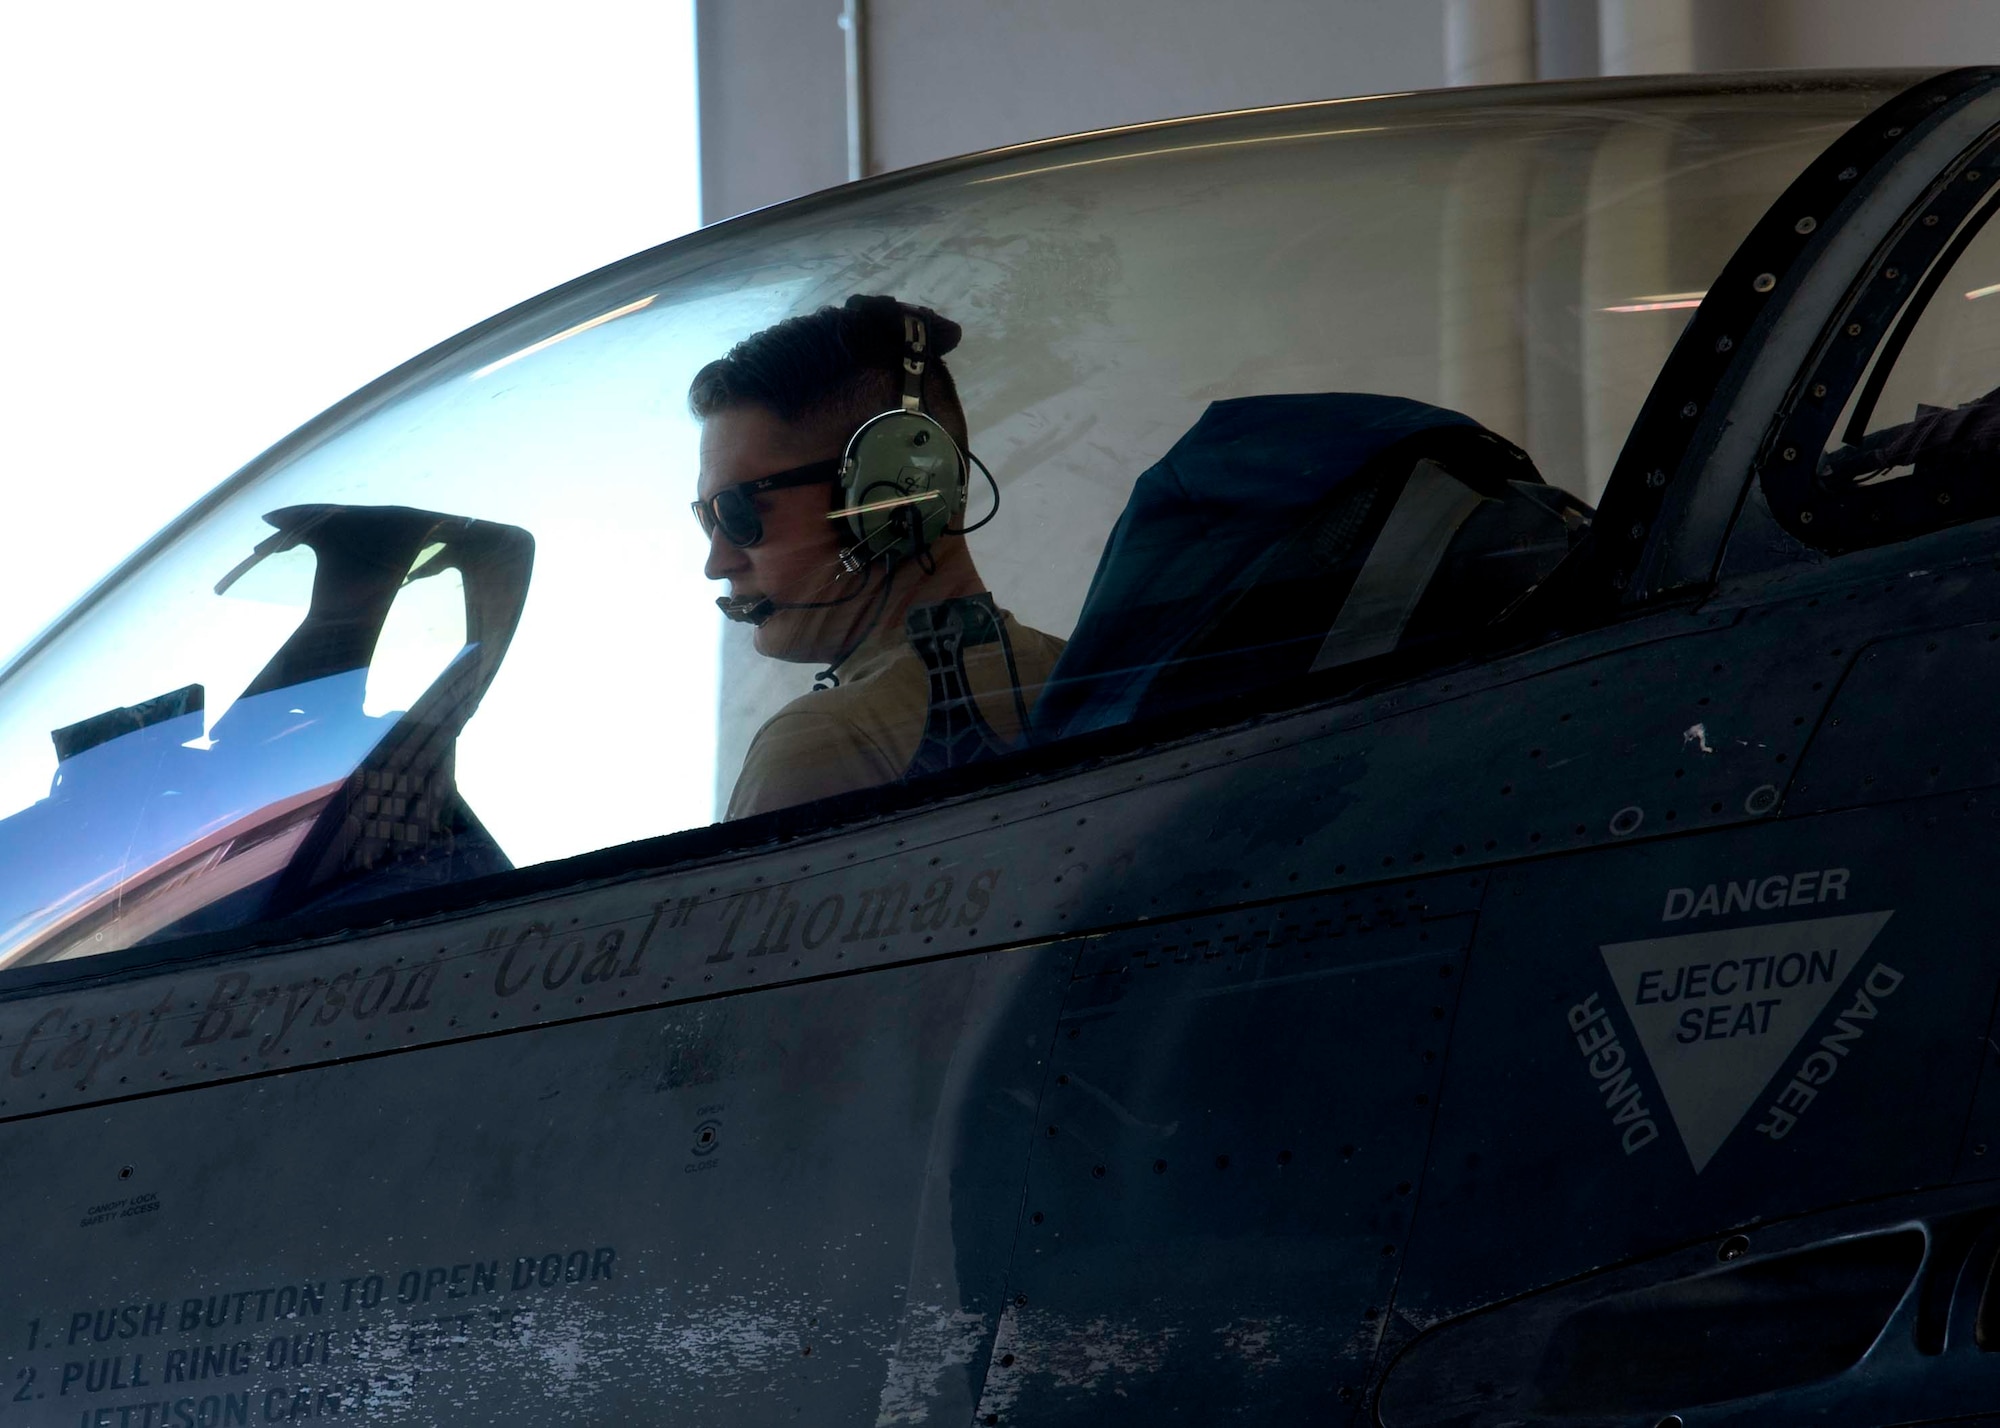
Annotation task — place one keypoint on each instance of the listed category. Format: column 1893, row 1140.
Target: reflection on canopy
column 298, row 794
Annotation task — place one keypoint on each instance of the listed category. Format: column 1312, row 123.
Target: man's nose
column 724, row 559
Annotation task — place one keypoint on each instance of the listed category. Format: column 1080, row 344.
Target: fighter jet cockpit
column 1146, row 432
column 1331, row 764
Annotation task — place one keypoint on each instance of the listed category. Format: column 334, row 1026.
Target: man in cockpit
column 828, row 561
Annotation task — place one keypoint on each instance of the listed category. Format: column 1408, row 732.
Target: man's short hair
column 838, row 366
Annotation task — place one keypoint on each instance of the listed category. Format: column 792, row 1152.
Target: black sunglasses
column 733, row 509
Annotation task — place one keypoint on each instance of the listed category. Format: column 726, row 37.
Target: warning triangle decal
column 1718, row 1012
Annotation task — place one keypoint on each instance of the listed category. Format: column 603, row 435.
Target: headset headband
column 916, row 346
column 903, row 476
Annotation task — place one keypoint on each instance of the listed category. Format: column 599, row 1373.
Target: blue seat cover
column 1199, row 525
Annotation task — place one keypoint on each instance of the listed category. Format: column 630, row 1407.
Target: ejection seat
column 1286, row 536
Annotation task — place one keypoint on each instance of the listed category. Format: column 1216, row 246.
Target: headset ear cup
column 897, row 465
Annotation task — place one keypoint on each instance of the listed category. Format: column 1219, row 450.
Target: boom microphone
column 747, row 609
column 756, row 609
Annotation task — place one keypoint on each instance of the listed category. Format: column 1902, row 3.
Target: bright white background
column 221, row 217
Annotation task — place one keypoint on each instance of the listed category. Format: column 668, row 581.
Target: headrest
column 1203, row 521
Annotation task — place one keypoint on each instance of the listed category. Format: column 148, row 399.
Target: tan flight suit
column 866, row 731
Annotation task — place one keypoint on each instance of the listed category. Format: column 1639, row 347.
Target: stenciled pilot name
column 931, row 905
column 250, row 1014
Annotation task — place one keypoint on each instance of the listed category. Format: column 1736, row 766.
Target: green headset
column 902, row 478
column 900, row 482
